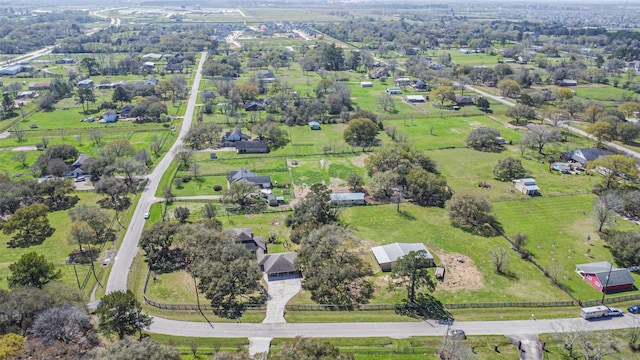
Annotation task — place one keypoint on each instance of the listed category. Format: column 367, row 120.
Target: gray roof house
column 255, row 244
column 243, row 174
column 278, row 264
column 251, row 147
column 85, row 84
column 583, row 156
column 387, row 255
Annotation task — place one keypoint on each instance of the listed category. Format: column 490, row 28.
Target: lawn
column 56, row 248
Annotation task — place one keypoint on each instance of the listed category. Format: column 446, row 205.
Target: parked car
column 80, row 179
column 634, row 309
column 614, row 312
column 456, row 334
column 146, row 215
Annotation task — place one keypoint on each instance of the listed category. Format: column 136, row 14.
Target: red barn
column 605, row 277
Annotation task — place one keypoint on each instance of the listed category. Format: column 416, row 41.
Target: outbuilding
column 605, row 277
column 348, row 199
column 387, row 255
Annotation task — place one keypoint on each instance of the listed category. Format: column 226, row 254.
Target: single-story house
column 314, row 125
column 39, row 85
column 583, row 156
column 605, row 277
column 415, row 98
column 387, row 255
column 403, row 81
column 254, row 106
column 347, row 199
column 242, row 174
column 125, row 111
column 151, row 81
column 266, row 76
column 252, row 147
column 394, row 91
column 85, row 84
column 419, row 85
column 79, row 167
column 173, row 68
column 527, row 186
column 255, row 244
column 148, row 65
column 234, row 135
column 278, row 264
column 366, row 84
column 381, row 72
column 411, row 51
column 110, row 116
column 25, row 94
column 565, row 83
column 464, row 100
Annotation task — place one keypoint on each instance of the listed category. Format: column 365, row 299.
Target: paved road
column 386, row 329
column 567, row 126
column 129, row 248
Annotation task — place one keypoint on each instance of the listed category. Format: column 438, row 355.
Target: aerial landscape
column 320, row 180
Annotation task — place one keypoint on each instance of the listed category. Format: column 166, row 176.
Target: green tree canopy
column 470, row 212
column 483, row 139
column 312, row 212
column 309, row 349
column 413, row 270
column 427, row 189
column 508, row 169
column 32, row 269
column 30, row 225
column 361, row 133
column 119, row 312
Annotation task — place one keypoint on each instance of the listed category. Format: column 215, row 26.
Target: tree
column 629, row 108
column 413, row 271
column 605, row 209
column 383, row 184
column 271, row 132
column 361, row 133
column 96, row 136
column 355, row 182
column 90, row 64
column 131, row 349
column 84, row 96
column 625, row 247
column 161, row 247
column 120, row 313
column 557, row 117
column 483, row 139
column 398, row 159
column 500, row 259
column 307, row 349
column 509, row 88
column 601, row 130
column 386, row 103
column 483, row 104
column 333, row 272
column 184, row 157
column 245, row 195
column 32, row 270
column 427, row 189
column 228, row 273
column 116, row 191
column 10, row 345
column 312, row 212
column 452, row 349
column 443, row 93
column 120, row 94
column 541, row 135
column 470, row 212
column 572, row 106
column 181, row 213
column 614, row 169
column 118, row 148
column 68, row 325
column 209, row 211
column 509, row 169
column 564, row 94
column 521, row 112
column 20, row 157
column 628, row 132
column 593, row 112
column 201, row 135
column 31, row 224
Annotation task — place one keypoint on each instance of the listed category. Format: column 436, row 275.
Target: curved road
column 122, row 264
column 129, row 248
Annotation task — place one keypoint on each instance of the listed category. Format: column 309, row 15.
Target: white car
column 146, row 215
column 614, row 312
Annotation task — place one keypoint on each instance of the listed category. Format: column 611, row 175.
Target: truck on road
column 593, row 312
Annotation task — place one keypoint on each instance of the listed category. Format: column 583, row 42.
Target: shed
column 314, row 125
column 366, row 84
column 415, row 98
column 527, row 186
column 605, row 277
column 85, row 84
column 347, row 199
column 387, row 255
column 403, row 81
column 394, row 90
column 565, row 83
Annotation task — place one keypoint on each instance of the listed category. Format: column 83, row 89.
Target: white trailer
column 593, row 312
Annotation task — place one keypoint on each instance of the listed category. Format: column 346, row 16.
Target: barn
column 387, row 255
column 605, row 277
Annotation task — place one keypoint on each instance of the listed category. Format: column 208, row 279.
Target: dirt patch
column 461, row 273
column 358, row 160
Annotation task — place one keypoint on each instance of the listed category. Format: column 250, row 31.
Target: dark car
column 456, row 334
column 634, row 309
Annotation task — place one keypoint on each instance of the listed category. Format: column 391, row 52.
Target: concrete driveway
column 281, row 290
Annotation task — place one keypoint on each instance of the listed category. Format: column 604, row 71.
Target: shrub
column 186, row 178
column 217, row 188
